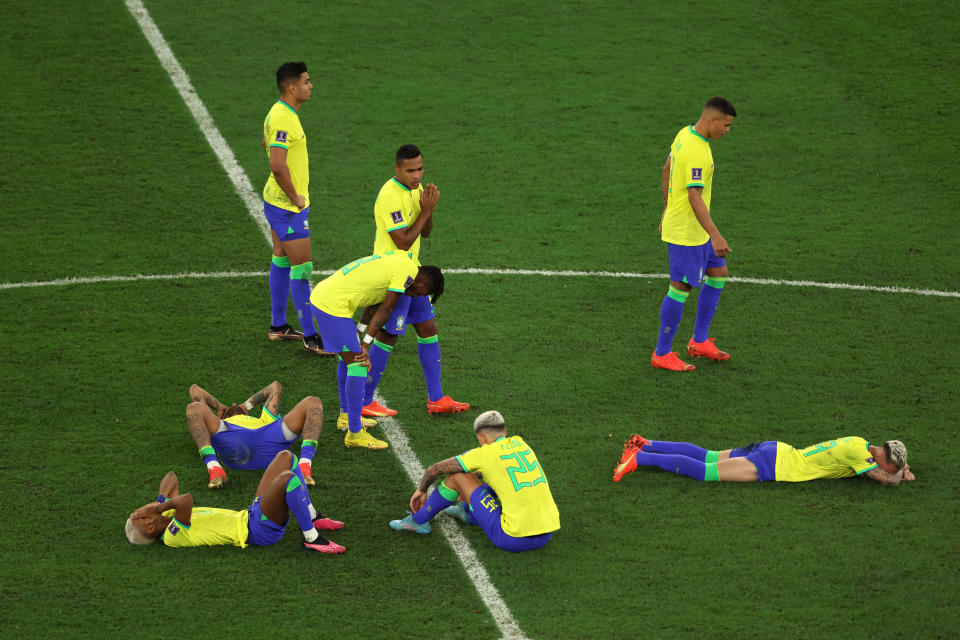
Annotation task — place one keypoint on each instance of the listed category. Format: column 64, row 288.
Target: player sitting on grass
column 512, row 503
column 376, row 279
column 174, row 519
column 243, row 441
column 770, row 461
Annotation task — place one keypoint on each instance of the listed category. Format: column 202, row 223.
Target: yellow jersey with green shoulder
column 252, row 422
column 364, row 282
column 691, row 165
column 840, row 458
column 281, row 128
column 397, row 207
column 208, row 527
column 512, row 470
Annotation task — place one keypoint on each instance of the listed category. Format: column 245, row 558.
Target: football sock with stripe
column 681, row 448
column 308, row 448
column 707, row 306
column 353, row 391
column 682, row 465
column 342, row 384
column 279, row 290
column 671, row 312
column 379, row 354
column 429, row 351
column 298, row 501
column 300, row 292
column 436, row 502
column 209, row 456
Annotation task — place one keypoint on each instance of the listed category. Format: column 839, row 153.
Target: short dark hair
column 290, row 72
column 436, row 281
column 407, row 152
column 721, row 104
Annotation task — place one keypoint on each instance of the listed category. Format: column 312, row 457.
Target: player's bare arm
column 183, row 504
column 434, row 471
column 700, row 210
column 169, row 485
column 383, row 312
column 201, row 395
column 269, row 396
column 281, row 172
column 889, row 479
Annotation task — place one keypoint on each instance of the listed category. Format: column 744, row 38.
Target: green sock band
column 301, row 271
column 675, row 294
column 356, row 370
column 293, row 484
column 207, row 451
column 447, row 492
column 307, row 443
column 716, row 283
column 710, row 474
column 712, row 456
column 430, row 340
column 383, row 345
column 282, row 261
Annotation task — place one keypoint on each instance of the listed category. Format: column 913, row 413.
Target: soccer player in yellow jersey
column 375, row 279
column 511, row 499
column 694, row 244
column 243, row 441
column 770, row 461
column 173, row 518
column 403, row 214
column 286, row 205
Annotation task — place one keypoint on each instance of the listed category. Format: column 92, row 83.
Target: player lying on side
column 174, row 519
column 512, row 502
column 770, row 461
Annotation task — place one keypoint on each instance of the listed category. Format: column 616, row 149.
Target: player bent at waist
column 770, row 461
column 175, row 520
column 243, row 441
column 512, row 503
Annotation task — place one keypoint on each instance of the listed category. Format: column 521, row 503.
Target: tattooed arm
column 442, row 468
column 201, row 395
column 890, row 479
column 269, row 396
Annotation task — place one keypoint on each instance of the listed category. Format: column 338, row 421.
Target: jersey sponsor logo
column 396, row 216
column 696, row 173
column 281, row 136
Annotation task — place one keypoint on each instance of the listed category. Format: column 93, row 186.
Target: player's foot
column 377, row 410
column 305, row 468
column 343, row 423
column 363, row 440
column 706, row 349
column 218, row 477
column 323, row 545
column 327, row 524
column 312, row 343
column 446, row 404
column 284, row 332
column 408, row 524
column 635, row 440
column 670, row 362
column 458, row 511
column 628, row 462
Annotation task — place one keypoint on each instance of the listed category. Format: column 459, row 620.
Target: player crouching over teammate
column 770, row 461
column 174, row 519
column 512, row 504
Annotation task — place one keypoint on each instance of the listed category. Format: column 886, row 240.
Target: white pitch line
column 481, row 580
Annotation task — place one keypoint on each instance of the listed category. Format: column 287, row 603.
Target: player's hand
column 363, row 358
column 300, row 202
column 417, row 500
column 720, row 246
column 907, row 474
column 428, row 198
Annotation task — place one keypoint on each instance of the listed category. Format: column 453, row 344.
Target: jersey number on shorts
column 523, row 466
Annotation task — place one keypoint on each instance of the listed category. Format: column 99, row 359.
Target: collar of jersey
column 287, row 106
column 400, row 184
column 694, row 132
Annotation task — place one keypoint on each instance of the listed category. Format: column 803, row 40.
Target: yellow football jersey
column 364, row 282
column 281, row 128
column 396, row 208
column 512, row 470
column 840, row 458
column 252, row 422
column 691, row 165
column 208, row 527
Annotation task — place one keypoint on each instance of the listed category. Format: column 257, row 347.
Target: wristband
column 361, row 328
column 161, row 499
column 367, row 339
column 247, row 405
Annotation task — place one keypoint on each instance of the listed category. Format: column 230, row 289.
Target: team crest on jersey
column 869, row 460
column 406, row 285
column 173, row 529
column 396, row 216
column 281, row 136
column 697, row 173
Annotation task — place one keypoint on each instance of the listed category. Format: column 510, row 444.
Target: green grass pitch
column 545, row 126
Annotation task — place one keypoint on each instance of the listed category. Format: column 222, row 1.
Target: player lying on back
column 174, row 519
column 243, row 441
column 512, row 502
column 770, row 461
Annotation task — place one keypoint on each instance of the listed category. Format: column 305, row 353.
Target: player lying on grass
column 512, row 502
column 243, row 441
column 770, row 461
column 174, row 519
column 376, row 279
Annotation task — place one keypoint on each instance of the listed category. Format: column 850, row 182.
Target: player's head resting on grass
column 143, row 526
column 718, row 113
column 429, row 282
column 895, row 452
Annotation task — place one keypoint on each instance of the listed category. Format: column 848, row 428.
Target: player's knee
column 313, row 402
column 301, row 271
column 194, row 408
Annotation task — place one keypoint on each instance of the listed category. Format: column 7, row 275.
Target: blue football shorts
column 241, row 448
column 763, row 455
column 409, row 310
column 337, row 333
column 689, row 264
column 485, row 510
column 261, row 530
column 287, row 224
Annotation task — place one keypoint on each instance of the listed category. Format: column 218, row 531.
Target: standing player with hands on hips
column 694, row 243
